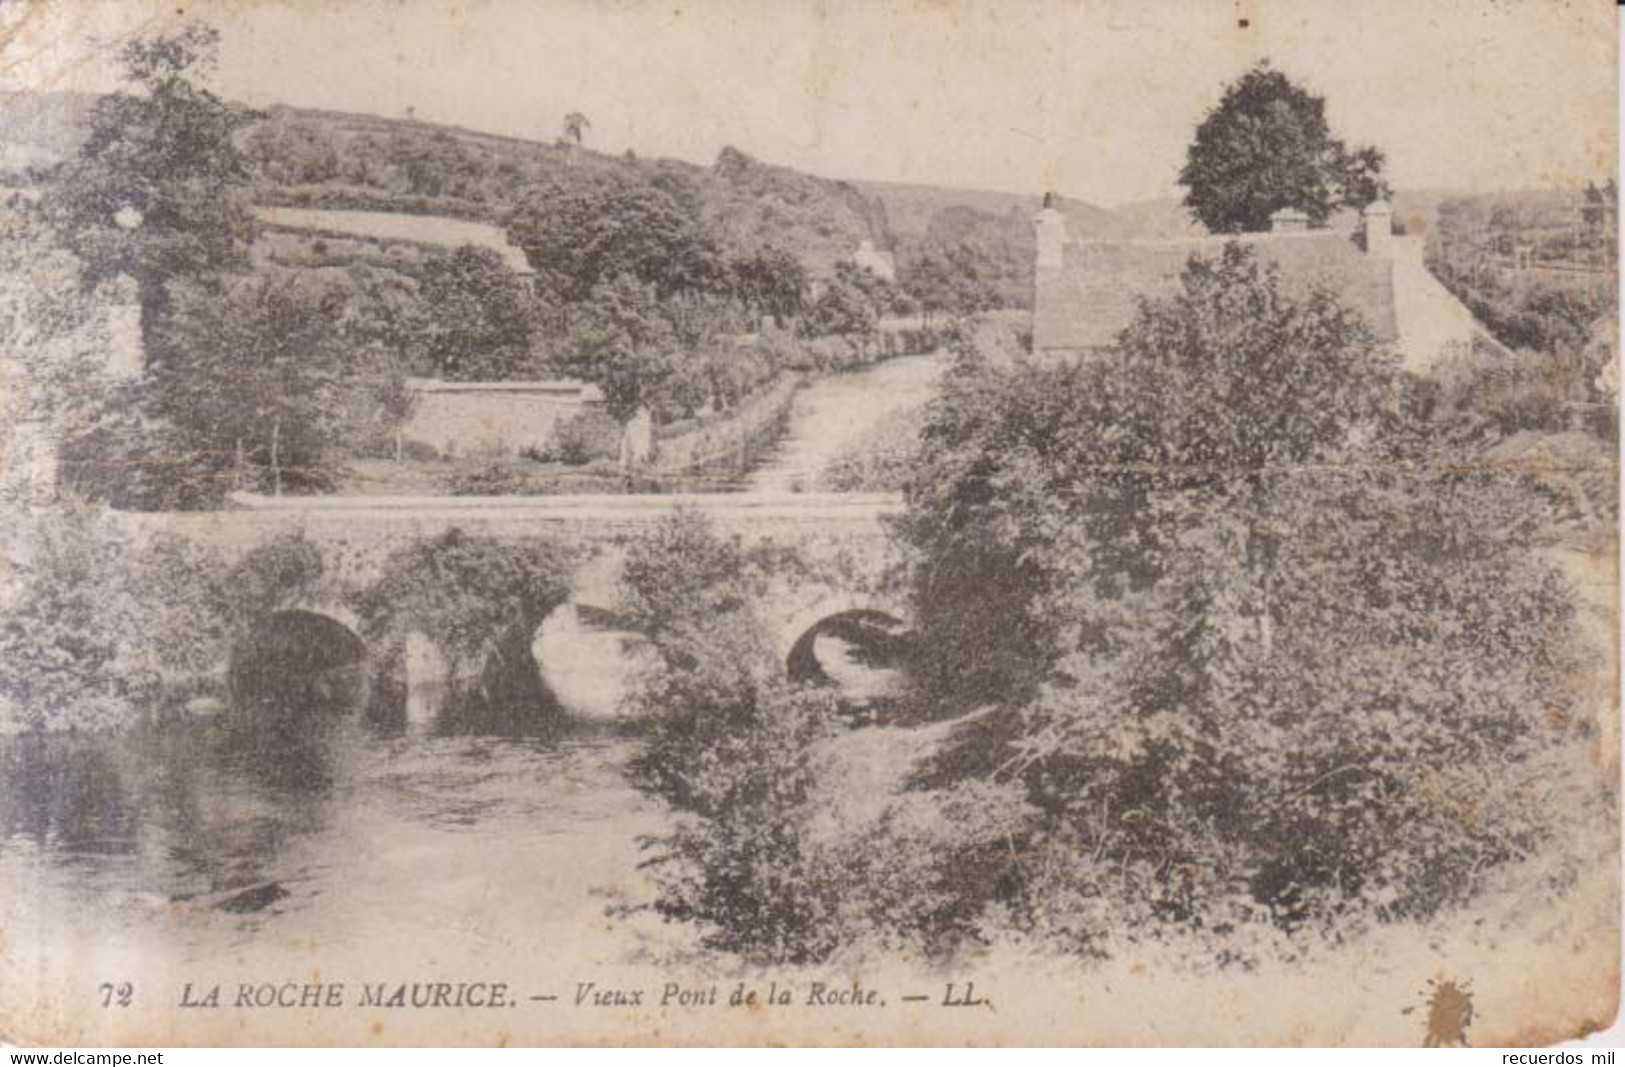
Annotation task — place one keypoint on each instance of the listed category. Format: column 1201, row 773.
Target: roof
column 1086, row 301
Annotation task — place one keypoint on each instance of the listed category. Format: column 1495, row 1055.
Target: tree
column 476, row 317
column 623, row 341
column 1229, row 378
column 843, row 308
column 575, row 123
column 580, row 230
column 253, row 380
column 955, row 280
column 1265, row 147
column 769, row 281
column 158, row 191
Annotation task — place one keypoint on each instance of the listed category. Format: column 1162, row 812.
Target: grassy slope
column 910, row 208
column 318, row 158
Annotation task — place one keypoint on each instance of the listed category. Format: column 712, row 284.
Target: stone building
column 1086, row 291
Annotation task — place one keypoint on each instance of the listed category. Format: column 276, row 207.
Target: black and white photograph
column 603, row 522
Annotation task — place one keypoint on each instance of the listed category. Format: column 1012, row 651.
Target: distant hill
column 304, row 157
column 910, row 209
column 997, row 225
column 310, row 158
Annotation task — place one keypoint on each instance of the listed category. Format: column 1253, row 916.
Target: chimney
column 1050, row 225
column 1289, row 220
column 1378, row 219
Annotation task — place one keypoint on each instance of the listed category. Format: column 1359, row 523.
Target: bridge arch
column 860, row 645
column 298, row 656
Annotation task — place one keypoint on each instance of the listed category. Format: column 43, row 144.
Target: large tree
column 158, row 190
column 254, row 379
column 476, row 319
column 158, row 193
column 581, row 228
column 954, row 280
column 769, row 281
column 1266, row 146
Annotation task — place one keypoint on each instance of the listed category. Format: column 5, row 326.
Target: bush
column 1253, row 668
column 581, row 438
column 1314, row 756
column 479, row 599
column 762, row 859
column 1524, row 390
column 494, row 478
column 95, row 624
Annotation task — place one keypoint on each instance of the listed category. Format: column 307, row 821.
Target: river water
column 502, row 840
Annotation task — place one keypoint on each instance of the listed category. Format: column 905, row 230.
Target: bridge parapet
column 844, row 537
column 583, row 518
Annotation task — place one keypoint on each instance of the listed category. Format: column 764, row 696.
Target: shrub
column 1524, row 390
column 582, row 438
column 95, row 623
column 762, row 859
column 286, row 568
column 479, row 599
column 1251, row 668
column 494, row 478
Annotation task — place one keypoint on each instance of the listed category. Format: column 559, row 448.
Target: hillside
column 998, row 226
column 303, row 157
column 911, row 209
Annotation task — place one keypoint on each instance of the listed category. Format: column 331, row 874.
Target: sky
column 1095, row 100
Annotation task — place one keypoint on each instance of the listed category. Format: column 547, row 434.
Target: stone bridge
column 836, row 553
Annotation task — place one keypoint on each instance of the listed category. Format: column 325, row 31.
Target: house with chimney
column 1086, row 290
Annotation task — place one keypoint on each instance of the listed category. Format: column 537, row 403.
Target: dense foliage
column 1472, row 249
column 158, row 189
column 579, row 232
column 478, row 598
column 240, row 369
column 1249, row 671
column 960, row 279
column 98, row 626
column 763, row 859
column 1266, row 146
column 477, row 322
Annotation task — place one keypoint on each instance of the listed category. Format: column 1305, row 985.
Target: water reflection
column 283, row 806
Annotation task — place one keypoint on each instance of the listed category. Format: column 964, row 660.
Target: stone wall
column 463, row 418
column 727, row 440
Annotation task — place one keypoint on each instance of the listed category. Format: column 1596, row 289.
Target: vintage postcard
column 822, row 522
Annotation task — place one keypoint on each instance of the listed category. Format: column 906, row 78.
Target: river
column 464, row 845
